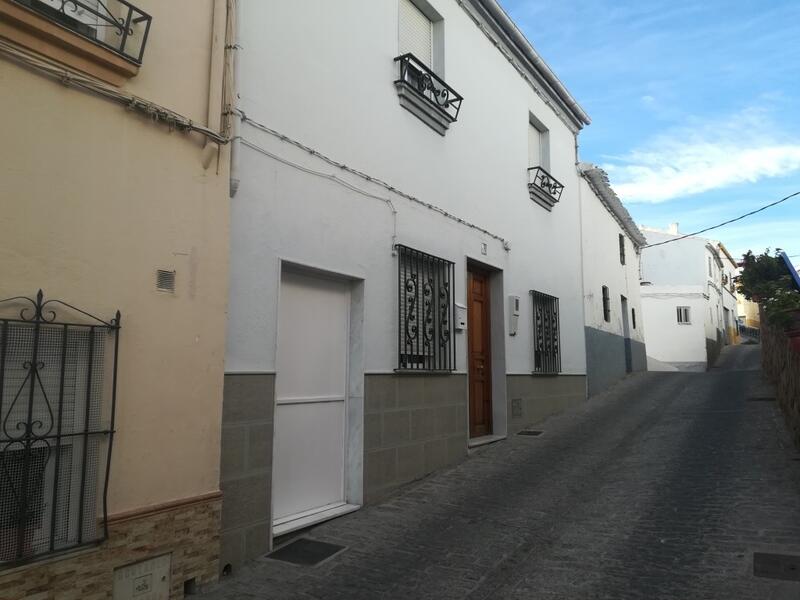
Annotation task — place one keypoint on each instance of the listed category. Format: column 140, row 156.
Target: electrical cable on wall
column 330, row 177
column 752, row 212
column 284, row 138
column 70, row 78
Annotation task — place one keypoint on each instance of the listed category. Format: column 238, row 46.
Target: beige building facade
column 114, row 195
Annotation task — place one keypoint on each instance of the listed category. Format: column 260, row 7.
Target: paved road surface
column 662, row 488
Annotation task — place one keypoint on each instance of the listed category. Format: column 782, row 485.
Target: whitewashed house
column 611, row 245
column 405, row 275
column 730, row 271
column 682, row 300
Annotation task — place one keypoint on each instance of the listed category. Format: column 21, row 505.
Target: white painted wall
column 667, row 340
column 682, row 265
column 602, row 267
column 316, row 72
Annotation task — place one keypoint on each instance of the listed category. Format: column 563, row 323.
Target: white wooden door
column 311, row 396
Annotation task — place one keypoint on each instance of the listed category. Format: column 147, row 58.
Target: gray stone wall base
column 413, row 425
column 605, row 358
column 713, row 348
column 533, row 398
column 246, row 467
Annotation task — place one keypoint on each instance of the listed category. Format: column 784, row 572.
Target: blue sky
column 695, row 106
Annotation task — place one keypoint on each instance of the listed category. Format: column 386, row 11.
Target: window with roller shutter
column 415, row 33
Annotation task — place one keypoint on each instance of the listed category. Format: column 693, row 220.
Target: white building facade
column 405, row 277
column 730, row 271
column 682, row 299
column 611, row 247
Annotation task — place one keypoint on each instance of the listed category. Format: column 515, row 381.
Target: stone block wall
column 781, row 364
column 532, row 398
column 188, row 530
column 246, row 467
column 413, row 425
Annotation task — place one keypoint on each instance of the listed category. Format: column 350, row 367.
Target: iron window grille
column 546, row 334
column 417, row 76
column 57, row 406
column 684, row 315
column 606, row 305
column 425, row 312
column 543, row 188
column 115, row 24
column 621, row 249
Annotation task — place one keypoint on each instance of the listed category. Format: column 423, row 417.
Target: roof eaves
column 597, row 179
column 503, row 25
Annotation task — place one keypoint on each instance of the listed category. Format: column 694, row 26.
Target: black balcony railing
column 418, row 77
column 543, row 187
column 115, row 24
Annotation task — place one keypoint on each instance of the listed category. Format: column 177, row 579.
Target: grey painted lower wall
column 246, row 467
column 532, row 398
column 713, row 348
column 413, row 425
column 605, row 358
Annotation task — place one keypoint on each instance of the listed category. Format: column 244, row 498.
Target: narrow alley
column 664, row 487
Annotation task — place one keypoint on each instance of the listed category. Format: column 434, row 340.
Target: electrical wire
column 328, row 176
column 284, row 138
column 70, row 78
column 752, row 212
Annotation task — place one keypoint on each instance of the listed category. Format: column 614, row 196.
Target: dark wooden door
column 479, row 354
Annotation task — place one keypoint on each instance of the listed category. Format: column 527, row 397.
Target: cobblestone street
column 663, row 487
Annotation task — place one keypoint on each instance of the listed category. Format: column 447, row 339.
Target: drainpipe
column 234, row 94
column 215, row 78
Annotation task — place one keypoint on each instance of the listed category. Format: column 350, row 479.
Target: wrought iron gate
column 57, row 401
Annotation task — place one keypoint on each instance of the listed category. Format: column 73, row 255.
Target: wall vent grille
column 165, row 281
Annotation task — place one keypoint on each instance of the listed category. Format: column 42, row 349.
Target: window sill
column 541, row 197
column 421, row 108
column 35, row 32
column 423, row 372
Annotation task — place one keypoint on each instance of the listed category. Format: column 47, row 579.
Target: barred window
column 425, row 312
column 54, row 446
column 606, row 305
column 621, row 249
column 684, row 316
column 546, row 343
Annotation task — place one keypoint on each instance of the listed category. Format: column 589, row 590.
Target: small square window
column 684, row 315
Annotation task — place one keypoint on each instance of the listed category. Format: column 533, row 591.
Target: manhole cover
column 762, row 398
column 530, row 432
column 776, row 566
column 305, row 552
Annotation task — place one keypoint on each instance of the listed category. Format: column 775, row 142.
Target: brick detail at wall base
column 190, row 531
column 782, row 365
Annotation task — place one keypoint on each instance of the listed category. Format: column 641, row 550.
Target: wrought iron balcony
column 543, row 187
column 417, row 77
column 114, row 24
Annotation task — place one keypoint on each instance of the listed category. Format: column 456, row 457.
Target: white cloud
column 745, row 147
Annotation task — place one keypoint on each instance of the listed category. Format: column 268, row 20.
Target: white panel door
column 311, row 394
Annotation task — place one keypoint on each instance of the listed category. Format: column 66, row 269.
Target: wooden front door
column 479, row 354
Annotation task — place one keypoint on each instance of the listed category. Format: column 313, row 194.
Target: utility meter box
column 146, row 580
column 461, row 317
column 513, row 314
